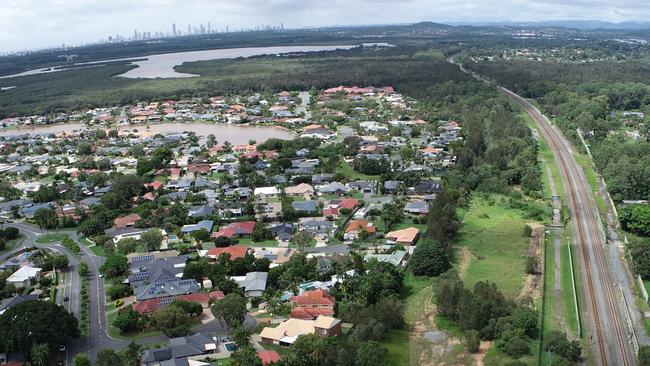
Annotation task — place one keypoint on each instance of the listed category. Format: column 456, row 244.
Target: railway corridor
column 605, row 309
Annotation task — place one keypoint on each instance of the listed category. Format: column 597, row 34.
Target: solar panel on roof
column 166, row 301
column 162, row 354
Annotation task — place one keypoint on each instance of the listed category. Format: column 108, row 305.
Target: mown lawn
column 495, row 236
column 51, row 238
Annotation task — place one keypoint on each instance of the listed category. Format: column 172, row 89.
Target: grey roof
column 204, row 224
column 7, row 303
column 146, row 268
column 286, row 228
column 165, row 286
column 318, row 226
column 200, row 211
column 90, row 201
column 330, row 249
column 279, row 179
column 176, row 353
column 391, row 185
column 428, row 187
column 115, row 231
column 305, row 206
column 175, row 196
column 254, row 281
column 417, row 206
column 31, row 210
column 333, row 187
column 15, row 203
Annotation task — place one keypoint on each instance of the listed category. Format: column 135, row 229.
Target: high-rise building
column 174, row 29
column 189, row 29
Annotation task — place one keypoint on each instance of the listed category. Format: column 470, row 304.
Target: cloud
column 28, row 24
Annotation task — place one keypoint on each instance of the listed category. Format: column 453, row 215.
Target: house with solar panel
column 153, row 277
column 182, row 351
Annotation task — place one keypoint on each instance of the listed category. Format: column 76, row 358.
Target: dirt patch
column 531, row 291
column 431, row 347
column 465, row 259
column 479, row 357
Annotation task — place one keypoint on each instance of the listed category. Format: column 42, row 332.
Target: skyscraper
column 174, row 29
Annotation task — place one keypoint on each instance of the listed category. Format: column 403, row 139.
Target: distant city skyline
column 36, row 24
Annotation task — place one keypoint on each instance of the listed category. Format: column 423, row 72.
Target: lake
column 162, row 65
column 235, row 134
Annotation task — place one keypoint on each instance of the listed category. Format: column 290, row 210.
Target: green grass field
column 494, row 235
column 51, row 238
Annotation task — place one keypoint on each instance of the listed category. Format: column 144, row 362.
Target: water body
column 162, row 65
column 235, row 134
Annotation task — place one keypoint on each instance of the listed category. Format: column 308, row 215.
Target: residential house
column 406, row 236
column 391, row 186
column 240, row 229
column 126, row 221
column 180, row 351
column 266, row 191
column 12, row 301
column 362, row 186
column 395, row 258
column 151, row 306
column 24, row 276
column 356, row 227
column 302, row 189
column 235, row 251
column 287, row 332
column 200, row 211
column 416, row 208
column 333, row 188
column 254, row 283
column 305, row 207
column 317, row 226
column 268, row 357
column 201, row 225
column 311, row 304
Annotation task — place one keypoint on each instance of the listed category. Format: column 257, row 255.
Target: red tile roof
column 310, row 313
column 348, row 203
column 237, row 251
column 268, row 357
column 331, row 211
column 152, row 305
column 318, row 297
column 236, row 228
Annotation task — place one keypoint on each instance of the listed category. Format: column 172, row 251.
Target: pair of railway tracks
column 611, row 345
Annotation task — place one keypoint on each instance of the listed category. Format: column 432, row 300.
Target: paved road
column 98, row 337
column 613, row 334
column 304, row 105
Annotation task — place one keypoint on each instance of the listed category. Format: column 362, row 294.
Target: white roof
column 23, row 274
column 267, row 191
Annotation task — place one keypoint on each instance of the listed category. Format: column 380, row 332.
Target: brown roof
column 407, row 235
column 358, row 225
column 128, row 220
column 237, row 251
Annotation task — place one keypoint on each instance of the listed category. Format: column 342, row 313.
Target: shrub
column 473, row 341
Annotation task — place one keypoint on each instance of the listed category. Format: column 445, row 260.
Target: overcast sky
column 31, row 24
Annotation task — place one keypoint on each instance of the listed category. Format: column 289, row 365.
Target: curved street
column 98, row 337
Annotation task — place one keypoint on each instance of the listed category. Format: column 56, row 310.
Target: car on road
column 101, row 275
column 60, row 363
column 66, row 299
column 62, row 348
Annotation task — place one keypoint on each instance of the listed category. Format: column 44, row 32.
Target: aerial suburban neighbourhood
column 300, row 193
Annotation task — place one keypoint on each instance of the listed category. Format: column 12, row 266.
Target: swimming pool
column 230, row 347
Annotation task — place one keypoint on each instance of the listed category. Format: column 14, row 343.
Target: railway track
column 610, row 342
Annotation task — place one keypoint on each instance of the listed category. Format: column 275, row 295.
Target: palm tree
column 40, row 354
